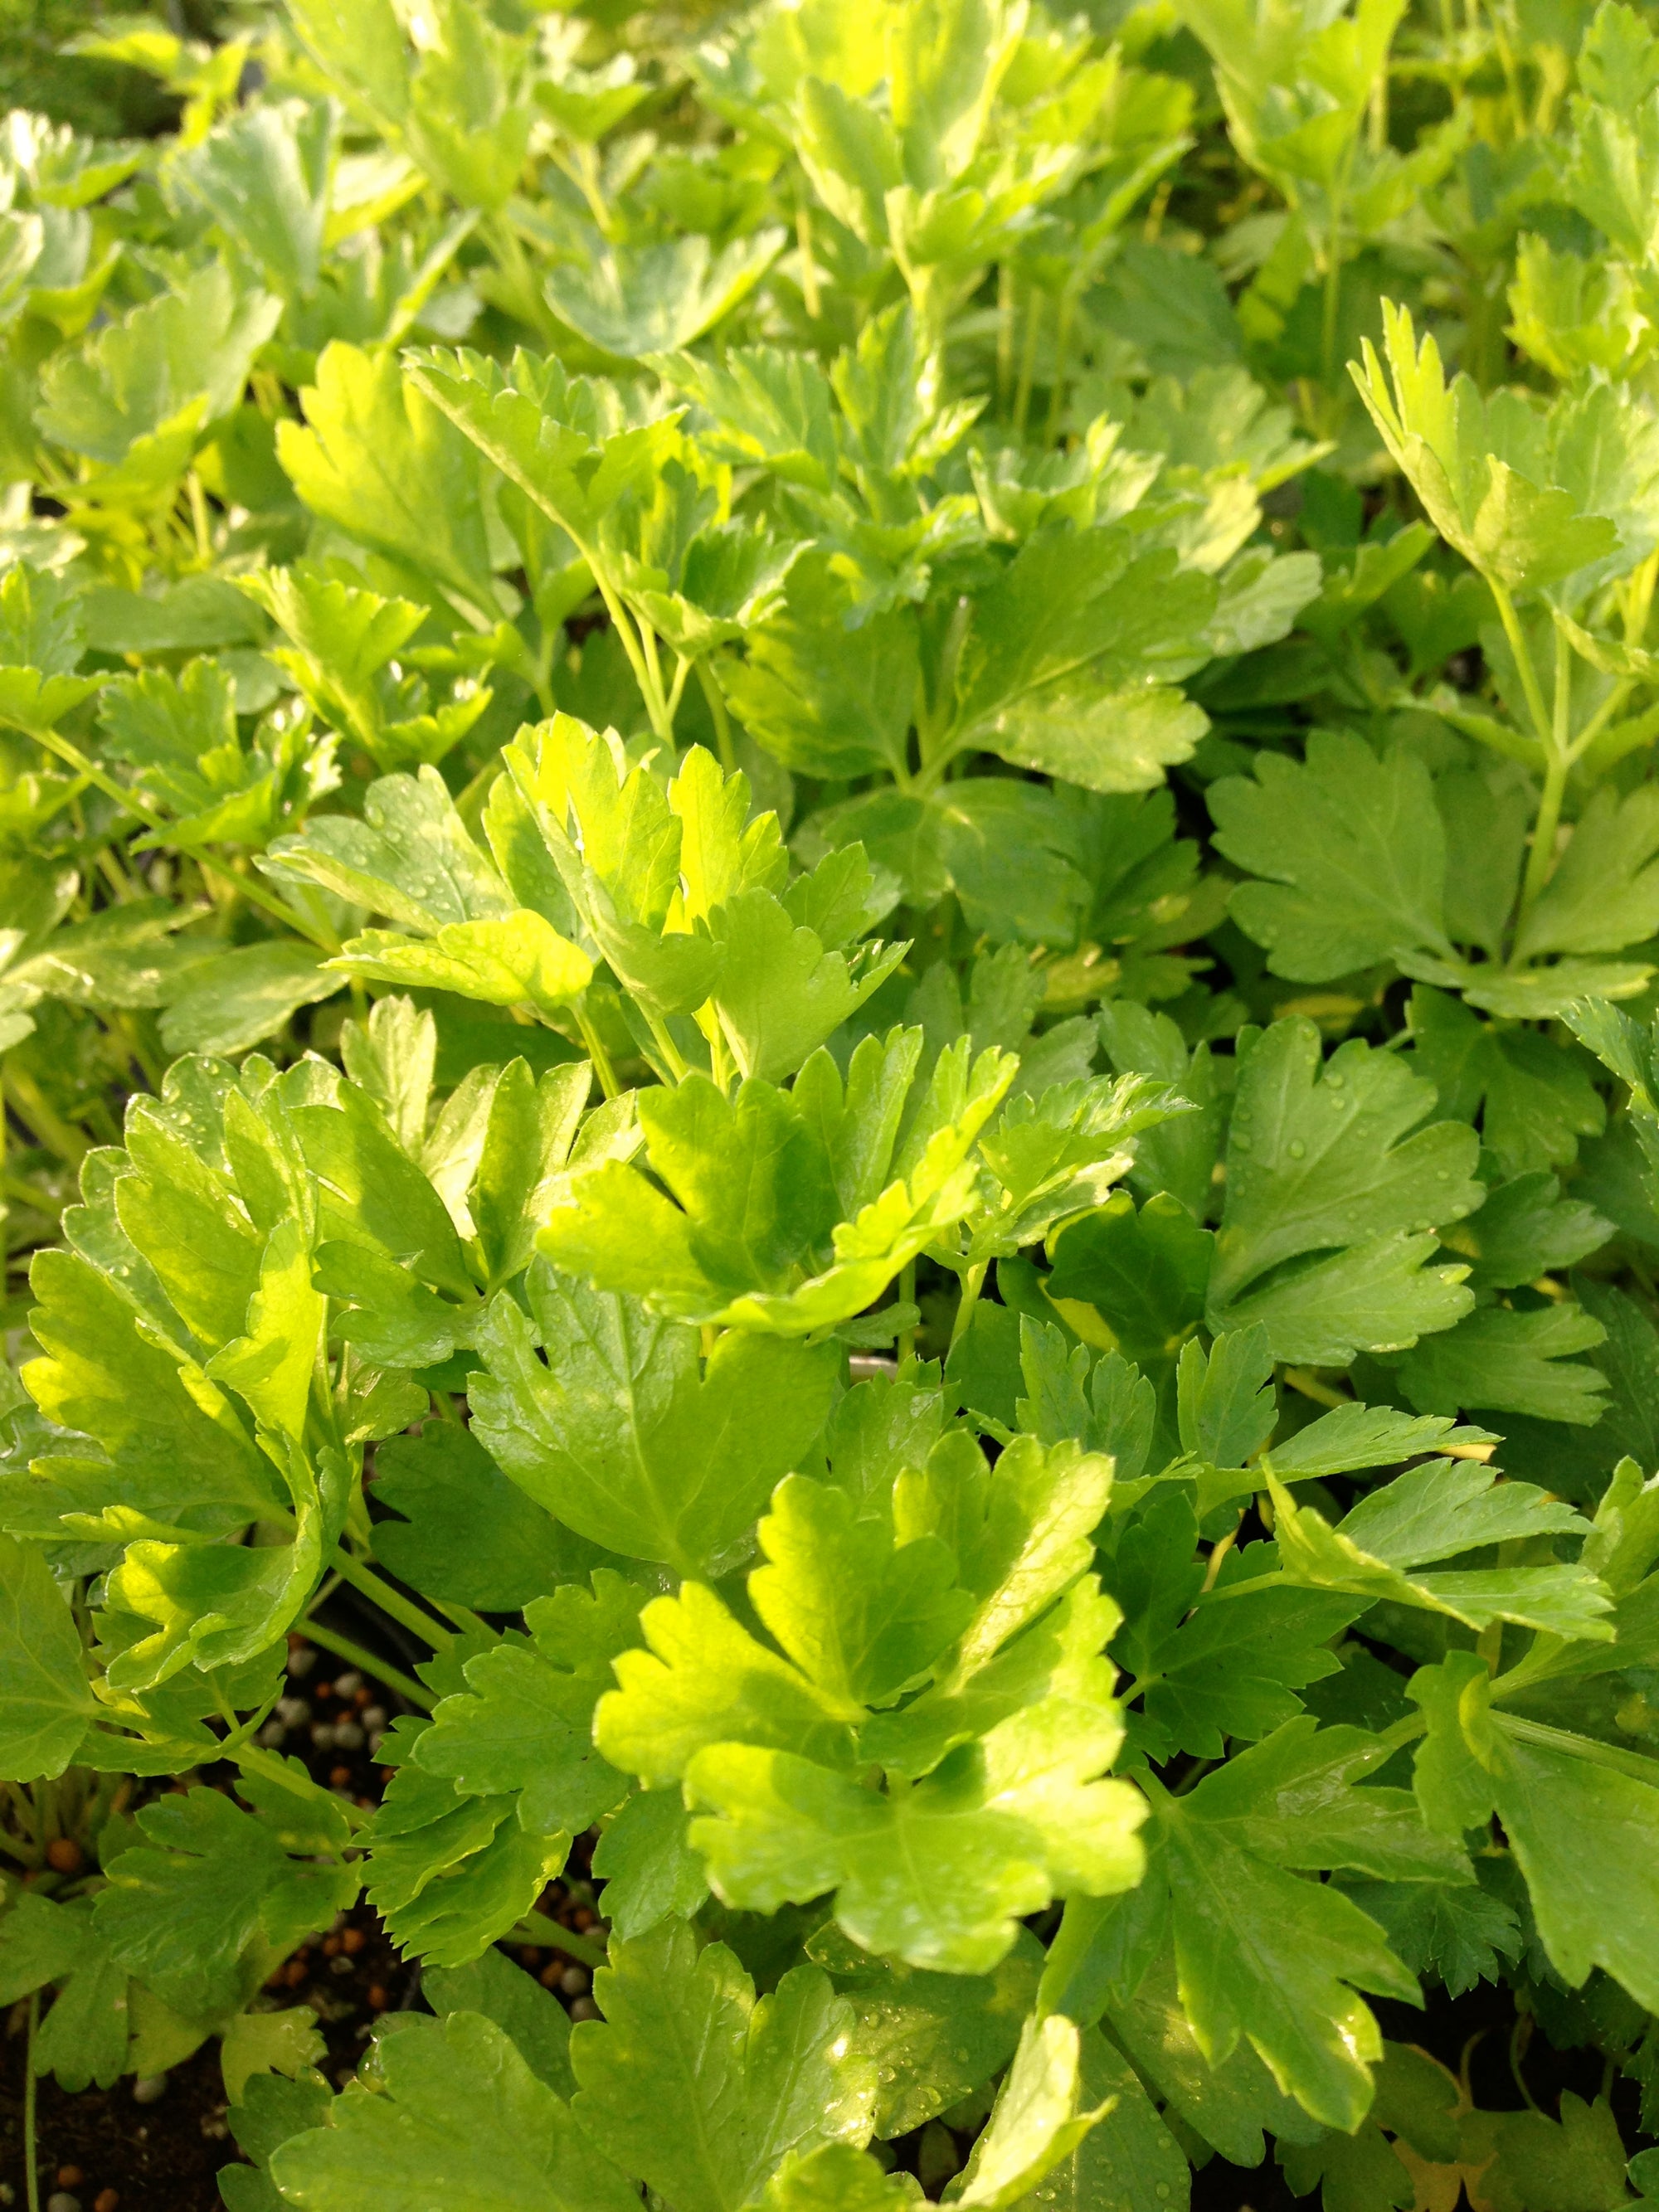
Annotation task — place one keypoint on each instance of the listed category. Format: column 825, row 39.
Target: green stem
column 393, row 1602
column 258, row 1761
column 1600, row 719
column 1534, row 690
column 1541, row 858
column 973, row 1282
column 722, row 720
column 596, row 1051
column 1062, row 338
column 673, row 1059
column 537, row 1928
column 31, row 2158
column 1027, row 360
column 393, row 1677
column 907, row 1297
column 1630, row 1763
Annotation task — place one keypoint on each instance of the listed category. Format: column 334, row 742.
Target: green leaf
column 835, row 2177
column 932, row 2037
column 861, row 1619
column 939, row 1875
column 1437, row 1511
column 531, row 2017
column 236, row 999
column 1520, row 532
column 1323, row 1168
column 471, row 1537
column 654, row 299
column 1575, row 1818
column 703, row 2091
column 1354, row 851
column 1210, row 1664
column 1128, row 2158
column 449, row 1874
column 263, row 177
column 1511, row 1362
column 759, row 1162
column 169, row 1443
column 410, row 857
column 1526, row 1228
column 1462, row 1935
column 1035, row 2123
column 514, row 960
column 1145, row 1271
column 137, row 398
column 703, row 1679
column 1265, row 1956
column 186, row 1909
column 823, row 698
column 1534, row 1100
column 1072, row 654
column 1527, row 2160
column 779, row 994
column 1228, row 2105
column 82, row 2039
column 46, row 1700
column 647, row 1865
column 458, row 2111
column 626, row 1433
column 525, row 1725
column 377, row 457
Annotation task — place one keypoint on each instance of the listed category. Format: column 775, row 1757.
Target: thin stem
column 596, row 1051
column 1004, row 335
column 1595, row 1753
column 1541, row 858
column 722, row 720
column 673, row 1058
column 393, row 1677
column 31, row 2158
column 257, row 1761
column 973, row 1282
column 401, row 1609
column 1027, row 360
column 537, row 1928
column 1541, row 722
column 907, row 1297
column 1521, row 2022
column 1062, row 338
column 809, row 273
column 198, row 517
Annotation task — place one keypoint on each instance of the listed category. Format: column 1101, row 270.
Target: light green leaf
column 377, row 457
column 654, row 299
column 626, row 1433
column 457, row 2111
column 1412, row 1520
column 1035, row 2123
column 703, row 2091
column 235, row 999
column 515, row 959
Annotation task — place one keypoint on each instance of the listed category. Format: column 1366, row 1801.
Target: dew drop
column 1298, row 1149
